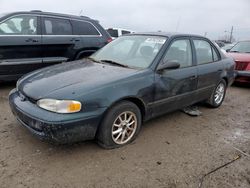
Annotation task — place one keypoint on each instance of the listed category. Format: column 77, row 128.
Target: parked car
column 31, row 40
column 116, row 32
column 241, row 54
column 219, row 43
column 228, row 47
column 129, row 81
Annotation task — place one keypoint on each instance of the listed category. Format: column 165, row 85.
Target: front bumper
column 54, row 127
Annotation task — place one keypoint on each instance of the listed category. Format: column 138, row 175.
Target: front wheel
column 218, row 95
column 120, row 126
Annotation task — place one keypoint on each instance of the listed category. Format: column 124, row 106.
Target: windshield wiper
column 92, row 59
column 113, row 62
column 233, row 51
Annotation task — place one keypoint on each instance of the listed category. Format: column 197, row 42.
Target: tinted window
column 19, row 25
column 180, row 50
column 113, row 32
column 125, row 32
column 54, row 26
column 203, row 51
column 84, row 28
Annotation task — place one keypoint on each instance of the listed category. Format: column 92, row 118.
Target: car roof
column 118, row 28
column 49, row 14
column 165, row 34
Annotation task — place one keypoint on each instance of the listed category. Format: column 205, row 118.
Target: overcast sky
column 214, row 17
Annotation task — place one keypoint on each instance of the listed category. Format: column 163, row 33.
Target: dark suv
column 35, row 39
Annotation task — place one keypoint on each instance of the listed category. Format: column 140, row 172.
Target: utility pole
column 231, row 34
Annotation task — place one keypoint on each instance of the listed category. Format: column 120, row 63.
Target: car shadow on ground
column 6, row 85
column 241, row 85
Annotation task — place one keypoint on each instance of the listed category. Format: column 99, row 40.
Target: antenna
column 178, row 24
column 80, row 13
column 231, row 34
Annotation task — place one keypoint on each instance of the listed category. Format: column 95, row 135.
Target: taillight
column 248, row 66
column 241, row 65
column 109, row 40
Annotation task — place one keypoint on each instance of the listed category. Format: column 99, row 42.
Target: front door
column 20, row 45
column 176, row 88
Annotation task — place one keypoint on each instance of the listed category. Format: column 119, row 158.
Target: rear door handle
column 31, row 40
column 75, row 40
column 193, row 77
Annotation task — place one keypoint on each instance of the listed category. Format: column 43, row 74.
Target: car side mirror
column 172, row 64
column 227, row 50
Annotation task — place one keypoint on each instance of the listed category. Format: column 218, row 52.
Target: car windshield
column 228, row 46
column 241, row 47
column 135, row 51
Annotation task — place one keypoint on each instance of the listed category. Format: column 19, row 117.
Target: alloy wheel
column 124, row 127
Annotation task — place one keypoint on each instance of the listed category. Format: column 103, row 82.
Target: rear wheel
column 218, row 95
column 120, row 126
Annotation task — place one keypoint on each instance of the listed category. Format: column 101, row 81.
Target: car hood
column 71, row 78
column 240, row 57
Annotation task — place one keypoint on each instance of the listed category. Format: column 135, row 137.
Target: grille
column 29, row 121
column 241, row 65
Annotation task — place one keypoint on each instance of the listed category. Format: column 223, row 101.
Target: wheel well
column 85, row 53
column 139, row 104
column 226, row 80
column 134, row 100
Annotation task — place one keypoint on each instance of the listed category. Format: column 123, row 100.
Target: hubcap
column 124, row 127
column 219, row 93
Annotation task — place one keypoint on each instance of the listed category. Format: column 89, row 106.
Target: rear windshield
column 113, row 32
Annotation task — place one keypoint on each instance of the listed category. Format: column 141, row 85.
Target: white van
column 116, row 32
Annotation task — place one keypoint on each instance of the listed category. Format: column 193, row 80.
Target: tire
column 114, row 132
column 218, row 95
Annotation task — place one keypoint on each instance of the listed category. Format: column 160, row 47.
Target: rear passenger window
column 113, row 32
column 215, row 55
column 54, row 26
column 205, row 52
column 180, row 51
column 84, row 28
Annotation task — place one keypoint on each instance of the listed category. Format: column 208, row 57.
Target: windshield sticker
column 155, row 40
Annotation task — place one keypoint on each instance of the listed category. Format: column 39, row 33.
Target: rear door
column 20, row 45
column 58, row 41
column 176, row 88
column 89, row 36
column 209, row 66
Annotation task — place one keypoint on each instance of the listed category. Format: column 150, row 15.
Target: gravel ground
column 175, row 150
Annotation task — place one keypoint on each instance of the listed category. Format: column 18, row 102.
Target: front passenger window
column 180, row 51
column 19, row 25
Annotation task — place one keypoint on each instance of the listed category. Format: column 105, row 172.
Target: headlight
column 60, row 106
